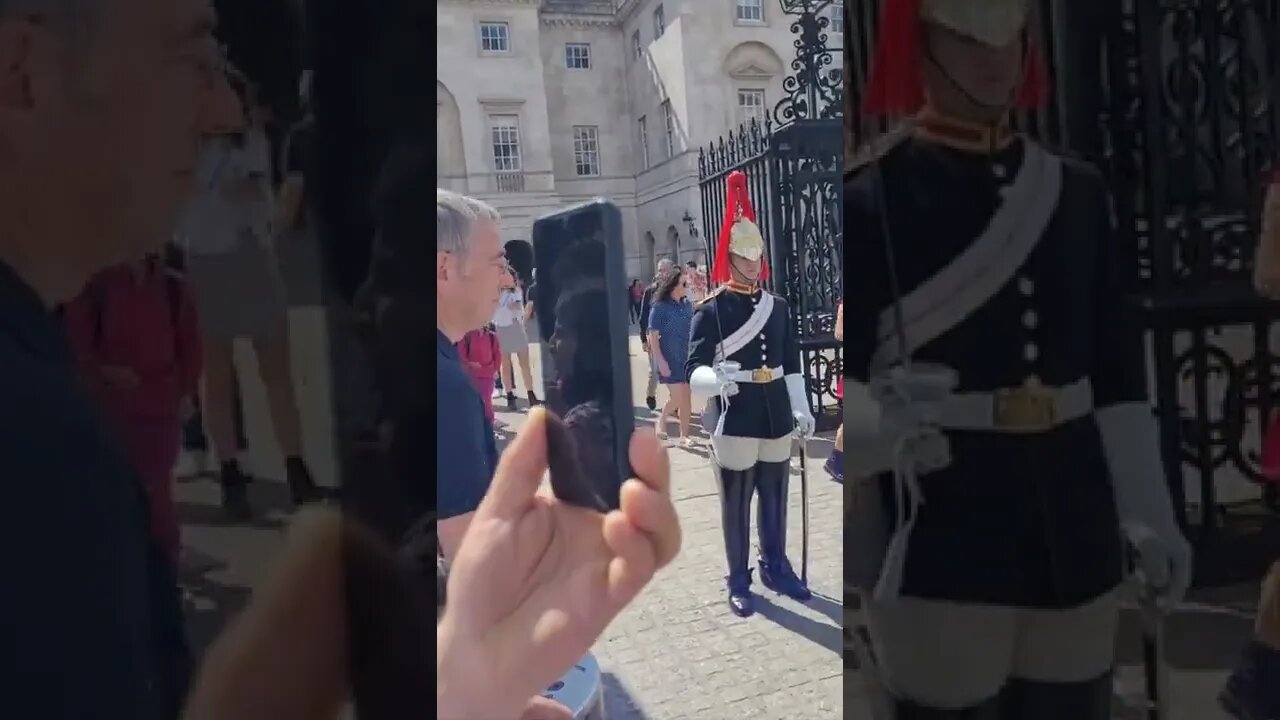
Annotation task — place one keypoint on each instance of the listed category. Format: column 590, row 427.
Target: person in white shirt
column 228, row 234
column 509, row 320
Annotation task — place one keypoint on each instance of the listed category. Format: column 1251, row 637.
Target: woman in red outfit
column 136, row 338
column 481, row 353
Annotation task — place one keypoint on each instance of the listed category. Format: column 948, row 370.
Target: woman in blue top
column 669, row 322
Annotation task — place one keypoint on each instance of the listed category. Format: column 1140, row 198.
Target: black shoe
column 302, row 487
column 1252, row 691
column 741, row 602
column 782, row 579
column 235, row 493
column 533, row 399
column 652, row 402
column 511, row 401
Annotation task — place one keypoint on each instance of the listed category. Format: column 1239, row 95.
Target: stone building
column 546, row 103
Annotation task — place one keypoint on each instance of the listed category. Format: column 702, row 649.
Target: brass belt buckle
column 1030, row 408
column 762, row 375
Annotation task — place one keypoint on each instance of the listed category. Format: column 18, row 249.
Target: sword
column 804, row 510
column 1153, row 659
column 1151, row 619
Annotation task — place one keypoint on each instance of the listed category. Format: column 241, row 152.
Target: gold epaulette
column 711, row 295
column 876, row 149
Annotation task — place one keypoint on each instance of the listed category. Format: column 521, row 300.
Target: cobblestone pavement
column 678, row 652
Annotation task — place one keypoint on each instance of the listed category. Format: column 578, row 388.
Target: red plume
column 895, row 86
column 736, row 198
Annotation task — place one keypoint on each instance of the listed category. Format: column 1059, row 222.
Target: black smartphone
column 580, row 302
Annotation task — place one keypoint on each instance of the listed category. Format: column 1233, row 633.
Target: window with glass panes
column 750, row 105
column 644, row 141
column 750, row 10
column 577, row 56
column 495, row 37
column 586, row 150
column 669, row 119
column 504, row 135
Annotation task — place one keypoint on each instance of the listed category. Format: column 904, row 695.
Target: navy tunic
column 759, row 410
column 1026, row 520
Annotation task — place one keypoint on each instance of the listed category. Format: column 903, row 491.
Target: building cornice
column 580, row 21
column 626, row 9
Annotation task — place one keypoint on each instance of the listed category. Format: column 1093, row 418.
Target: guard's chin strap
column 752, row 281
column 1003, row 108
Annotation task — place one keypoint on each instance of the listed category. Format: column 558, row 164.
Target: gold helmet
column 745, row 239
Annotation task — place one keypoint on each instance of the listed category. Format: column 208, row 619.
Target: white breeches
column 951, row 656
column 739, row 453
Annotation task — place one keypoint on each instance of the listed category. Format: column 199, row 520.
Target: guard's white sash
column 754, row 325
column 968, row 282
column 713, row 417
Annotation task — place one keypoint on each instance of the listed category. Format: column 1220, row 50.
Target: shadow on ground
column 619, row 703
column 819, row 633
column 829, row 607
column 269, row 499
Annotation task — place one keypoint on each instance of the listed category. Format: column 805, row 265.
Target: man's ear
column 442, row 266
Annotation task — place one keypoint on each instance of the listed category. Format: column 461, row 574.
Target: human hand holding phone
column 538, row 579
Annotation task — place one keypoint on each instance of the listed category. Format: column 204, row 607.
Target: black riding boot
column 735, row 518
column 771, row 522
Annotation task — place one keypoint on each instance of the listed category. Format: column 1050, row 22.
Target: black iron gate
column 793, row 163
column 1175, row 101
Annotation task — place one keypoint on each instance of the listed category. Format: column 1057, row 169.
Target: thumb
column 519, row 471
column 284, row 656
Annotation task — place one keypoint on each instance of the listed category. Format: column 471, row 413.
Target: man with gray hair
column 103, row 106
column 469, row 265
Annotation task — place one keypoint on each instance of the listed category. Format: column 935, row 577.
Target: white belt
column 759, row 375
column 1031, row 408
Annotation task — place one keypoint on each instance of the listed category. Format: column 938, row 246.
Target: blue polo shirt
column 90, row 613
column 466, row 452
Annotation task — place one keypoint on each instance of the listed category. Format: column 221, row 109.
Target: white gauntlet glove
column 897, row 415
column 1131, row 441
column 800, row 405
column 715, row 380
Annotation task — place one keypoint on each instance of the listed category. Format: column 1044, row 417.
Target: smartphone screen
column 579, row 298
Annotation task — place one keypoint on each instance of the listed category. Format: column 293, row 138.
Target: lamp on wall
column 693, row 228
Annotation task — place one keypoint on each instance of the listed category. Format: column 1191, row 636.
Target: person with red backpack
column 136, row 338
column 481, row 354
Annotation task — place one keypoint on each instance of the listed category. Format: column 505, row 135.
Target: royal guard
column 743, row 358
column 996, row 391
